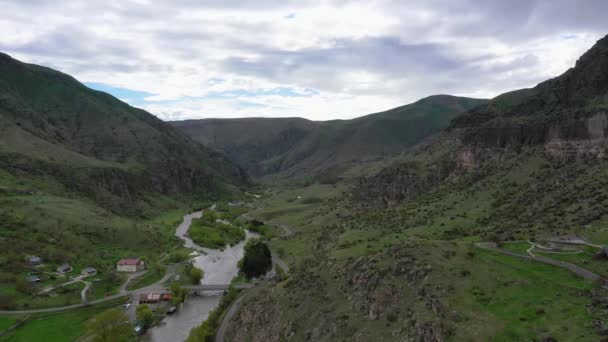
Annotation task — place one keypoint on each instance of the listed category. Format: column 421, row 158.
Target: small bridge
column 216, row 287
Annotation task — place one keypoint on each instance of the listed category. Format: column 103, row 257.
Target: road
column 276, row 260
column 157, row 286
column 123, row 287
column 581, row 272
column 220, row 334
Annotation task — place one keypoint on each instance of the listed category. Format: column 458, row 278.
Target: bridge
column 216, row 287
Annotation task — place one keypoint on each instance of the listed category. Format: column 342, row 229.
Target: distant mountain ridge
column 297, row 147
column 54, row 128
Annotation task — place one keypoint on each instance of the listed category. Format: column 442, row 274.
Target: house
column 65, row 268
column 34, row 260
column 130, row 265
column 150, row 298
column 153, row 298
column 33, row 279
column 89, row 271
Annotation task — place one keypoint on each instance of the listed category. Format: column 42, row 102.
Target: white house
column 130, row 265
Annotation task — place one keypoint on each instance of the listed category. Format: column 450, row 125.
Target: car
column 138, row 330
column 127, row 306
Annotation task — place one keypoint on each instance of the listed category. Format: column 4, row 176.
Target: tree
column 257, row 260
column 110, row 325
column 145, row 315
column 178, row 293
column 196, row 274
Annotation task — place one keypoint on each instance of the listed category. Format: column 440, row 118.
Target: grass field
column 527, row 299
column 6, row 322
column 55, row 328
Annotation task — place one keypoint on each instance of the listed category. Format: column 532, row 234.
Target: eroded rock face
column 258, row 320
column 587, row 136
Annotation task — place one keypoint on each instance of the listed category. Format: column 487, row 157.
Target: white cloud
column 358, row 56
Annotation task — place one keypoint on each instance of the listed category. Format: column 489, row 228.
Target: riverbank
column 219, row 266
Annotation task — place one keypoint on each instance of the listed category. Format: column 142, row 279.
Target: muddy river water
column 219, row 267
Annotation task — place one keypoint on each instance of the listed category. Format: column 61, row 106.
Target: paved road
column 220, row 334
column 123, row 287
column 581, row 272
column 83, row 293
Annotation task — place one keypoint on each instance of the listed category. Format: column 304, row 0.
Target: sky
column 318, row 59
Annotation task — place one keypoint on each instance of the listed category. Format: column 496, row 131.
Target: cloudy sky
column 326, row 59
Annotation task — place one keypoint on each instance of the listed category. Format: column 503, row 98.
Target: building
column 153, row 298
column 150, row 298
column 65, row 268
column 130, row 265
column 34, row 260
column 90, row 271
column 33, row 279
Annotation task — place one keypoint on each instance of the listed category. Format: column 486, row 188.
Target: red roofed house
column 130, row 265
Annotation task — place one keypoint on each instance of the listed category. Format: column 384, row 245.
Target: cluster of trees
column 257, row 260
column 110, row 326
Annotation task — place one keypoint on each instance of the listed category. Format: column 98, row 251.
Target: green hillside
column 293, row 147
column 54, row 126
column 86, row 179
column 394, row 255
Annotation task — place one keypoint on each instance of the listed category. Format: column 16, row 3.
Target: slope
column 396, row 258
column 297, row 147
column 96, row 145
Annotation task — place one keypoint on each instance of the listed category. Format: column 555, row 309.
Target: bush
column 196, row 274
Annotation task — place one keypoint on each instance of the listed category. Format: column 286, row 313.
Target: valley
column 450, row 218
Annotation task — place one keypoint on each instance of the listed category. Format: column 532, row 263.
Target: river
column 219, row 267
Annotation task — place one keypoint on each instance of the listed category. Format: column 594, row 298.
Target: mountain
column 57, row 134
column 445, row 244
column 563, row 118
column 297, row 147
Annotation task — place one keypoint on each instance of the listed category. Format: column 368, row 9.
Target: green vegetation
column 210, row 233
column 259, row 227
column 257, row 260
column 7, row 322
column 153, row 274
column 295, row 146
column 196, row 274
column 179, row 295
column 60, row 327
column 83, row 177
column 145, row 315
column 110, row 325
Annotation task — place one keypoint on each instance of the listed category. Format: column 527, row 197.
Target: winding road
column 581, row 272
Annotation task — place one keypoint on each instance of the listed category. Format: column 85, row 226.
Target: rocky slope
column 565, row 116
column 298, row 147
